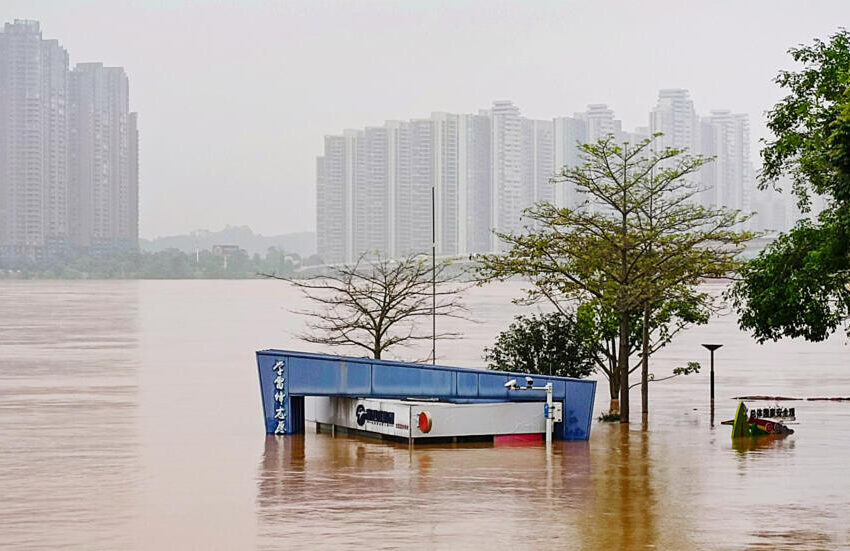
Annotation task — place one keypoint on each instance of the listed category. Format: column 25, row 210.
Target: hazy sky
column 235, row 97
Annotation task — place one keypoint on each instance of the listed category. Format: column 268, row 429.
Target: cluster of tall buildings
column 374, row 185
column 69, row 172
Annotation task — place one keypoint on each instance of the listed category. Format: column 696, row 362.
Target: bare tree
column 377, row 303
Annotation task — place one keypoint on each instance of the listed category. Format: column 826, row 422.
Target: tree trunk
column 614, row 381
column 644, row 369
column 623, row 359
column 623, row 356
column 614, row 388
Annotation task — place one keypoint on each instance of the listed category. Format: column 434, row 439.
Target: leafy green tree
column 546, row 344
column 799, row 286
column 635, row 241
column 600, row 326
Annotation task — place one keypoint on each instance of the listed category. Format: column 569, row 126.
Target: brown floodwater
column 130, row 419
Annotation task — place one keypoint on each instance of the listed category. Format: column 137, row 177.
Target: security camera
column 510, row 385
column 529, row 381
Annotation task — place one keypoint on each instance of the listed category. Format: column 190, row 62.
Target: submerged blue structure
column 287, row 376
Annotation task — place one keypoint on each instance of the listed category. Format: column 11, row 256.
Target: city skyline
column 236, row 98
column 374, row 185
column 68, row 152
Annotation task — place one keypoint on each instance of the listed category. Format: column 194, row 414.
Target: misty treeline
column 167, row 264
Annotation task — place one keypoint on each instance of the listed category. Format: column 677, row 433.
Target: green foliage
column 811, row 125
column 609, row 417
column 797, row 287
column 689, row 369
column 547, row 344
column 636, row 246
column 692, row 367
column 167, row 264
column 599, row 325
column 687, row 307
column 636, row 238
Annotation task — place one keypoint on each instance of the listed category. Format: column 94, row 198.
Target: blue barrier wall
column 287, row 376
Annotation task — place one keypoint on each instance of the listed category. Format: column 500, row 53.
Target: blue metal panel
column 277, row 404
column 578, row 410
column 315, row 377
column 357, row 378
column 492, row 385
column 267, row 375
column 401, row 381
column 467, row 384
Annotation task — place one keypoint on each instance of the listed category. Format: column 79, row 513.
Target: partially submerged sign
column 416, row 419
column 286, row 377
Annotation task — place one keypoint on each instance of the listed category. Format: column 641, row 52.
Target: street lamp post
column 711, row 348
column 434, row 275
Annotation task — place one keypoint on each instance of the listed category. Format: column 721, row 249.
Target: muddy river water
column 130, row 419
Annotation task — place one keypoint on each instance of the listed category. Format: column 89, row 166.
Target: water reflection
column 791, row 539
column 631, row 505
column 68, row 397
column 747, row 444
column 605, row 494
column 282, row 470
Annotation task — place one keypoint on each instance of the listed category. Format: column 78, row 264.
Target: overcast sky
column 235, row 97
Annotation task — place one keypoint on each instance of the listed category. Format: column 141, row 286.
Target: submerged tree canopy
column 799, row 286
column 547, row 344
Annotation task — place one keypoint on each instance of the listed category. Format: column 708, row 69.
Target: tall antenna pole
column 433, row 275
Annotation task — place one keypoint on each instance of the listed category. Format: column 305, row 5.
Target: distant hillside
column 302, row 243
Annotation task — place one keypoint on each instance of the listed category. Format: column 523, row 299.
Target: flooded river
column 130, row 418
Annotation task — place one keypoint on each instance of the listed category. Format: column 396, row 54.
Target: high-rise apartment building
column 104, row 165
column 332, row 201
column 728, row 180
column 33, row 143
column 600, row 122
column 368, row 171
column 475, row 190
column 447, row 181
column 569, row 134
column 538, row 161
column 507, row 177
column 68, row 152
column 398, row 147
column 374, row 188
column 674, row 116
column 373, row 192
column 461, row 183
column 414, row 214
column 132, row 215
